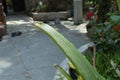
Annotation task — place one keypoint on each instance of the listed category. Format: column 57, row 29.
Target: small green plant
column 41, row 7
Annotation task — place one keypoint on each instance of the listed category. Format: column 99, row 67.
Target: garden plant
column 106, row 36
column 83, row 67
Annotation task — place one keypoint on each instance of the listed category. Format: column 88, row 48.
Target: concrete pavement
column 32, row 55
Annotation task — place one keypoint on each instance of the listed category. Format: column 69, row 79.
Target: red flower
column 90, row 15
column 116, row 28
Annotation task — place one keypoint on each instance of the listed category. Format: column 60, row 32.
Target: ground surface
column 32, row 55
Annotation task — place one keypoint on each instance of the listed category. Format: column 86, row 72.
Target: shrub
column 107, row 35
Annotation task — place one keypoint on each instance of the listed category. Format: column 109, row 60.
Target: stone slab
column 50, row 16
column 15, row 77
column 43, row 73
column 11, row 66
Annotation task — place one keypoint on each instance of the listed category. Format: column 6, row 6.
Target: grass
column 107, row 64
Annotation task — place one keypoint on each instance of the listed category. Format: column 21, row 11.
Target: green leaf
column 63, row 71
column 118, row 3
column 115, row 20
column 82, row 65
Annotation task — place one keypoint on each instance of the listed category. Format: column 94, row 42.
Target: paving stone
column 45, row 53
column 32, row 55
column 14, row 77
column 44, row 73
column 10, row 66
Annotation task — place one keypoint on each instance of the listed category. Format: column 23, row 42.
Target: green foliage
column 104, row 65
column 41, row 7
column 106, row 26
column 82, row 65
column 107, row 35
column 118, row 3
column 103, row 7
column 64, row 72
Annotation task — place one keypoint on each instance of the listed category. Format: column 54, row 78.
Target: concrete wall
column 51, row 16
